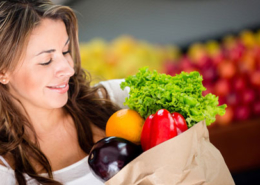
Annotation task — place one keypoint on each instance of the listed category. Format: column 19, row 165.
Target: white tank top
column 75, row 174
column 78, row 173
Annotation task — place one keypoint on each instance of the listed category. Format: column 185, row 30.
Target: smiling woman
column 46, row 56
column 50, row 116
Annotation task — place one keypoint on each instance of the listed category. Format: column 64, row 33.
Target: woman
column 50, row 116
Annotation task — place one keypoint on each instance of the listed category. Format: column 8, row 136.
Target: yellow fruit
column 125, row 123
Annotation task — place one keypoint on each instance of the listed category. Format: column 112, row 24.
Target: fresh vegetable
column 125, row 123
column 180, row 122
column 182, row 93
column 145, row 135
column 160, row 127
column 109, row 155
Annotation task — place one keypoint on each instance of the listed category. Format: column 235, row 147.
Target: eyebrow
column 52, row 50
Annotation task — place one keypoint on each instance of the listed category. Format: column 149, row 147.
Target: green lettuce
column 151, row 91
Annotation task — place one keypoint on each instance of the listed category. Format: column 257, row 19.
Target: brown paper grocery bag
column 188, row 159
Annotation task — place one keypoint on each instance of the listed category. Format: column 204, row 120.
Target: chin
column 60, row 103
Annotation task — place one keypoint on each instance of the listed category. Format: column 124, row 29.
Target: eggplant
column 109, row 155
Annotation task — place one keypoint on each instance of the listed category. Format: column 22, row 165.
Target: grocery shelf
column 238, row 143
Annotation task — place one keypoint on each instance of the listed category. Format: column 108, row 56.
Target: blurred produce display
column 230, row 67
column 124, row 56
column 230, row 70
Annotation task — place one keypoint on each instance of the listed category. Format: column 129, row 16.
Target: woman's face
column 41, row 78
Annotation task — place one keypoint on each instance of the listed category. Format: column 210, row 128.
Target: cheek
column 27, row 81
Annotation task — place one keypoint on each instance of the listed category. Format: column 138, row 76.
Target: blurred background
column 218, row 38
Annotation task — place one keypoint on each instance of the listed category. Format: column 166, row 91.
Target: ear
column 4, row 78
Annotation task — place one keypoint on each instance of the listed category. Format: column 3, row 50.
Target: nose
column 64, row 67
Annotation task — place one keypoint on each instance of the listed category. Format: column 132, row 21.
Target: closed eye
column 47, row 63
column 66, row 52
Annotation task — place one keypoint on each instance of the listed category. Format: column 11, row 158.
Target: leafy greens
column 151, row 91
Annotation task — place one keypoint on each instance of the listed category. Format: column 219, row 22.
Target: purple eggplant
column 109, row 155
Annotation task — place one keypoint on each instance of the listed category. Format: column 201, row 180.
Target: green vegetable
column 182, row 93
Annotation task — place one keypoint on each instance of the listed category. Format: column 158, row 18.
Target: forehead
column 49, row 34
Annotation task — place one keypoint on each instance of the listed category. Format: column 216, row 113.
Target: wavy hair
column 17, row 20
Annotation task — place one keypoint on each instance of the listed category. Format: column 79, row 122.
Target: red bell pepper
column 160, row 127
column 145, row 135
column 180, row 122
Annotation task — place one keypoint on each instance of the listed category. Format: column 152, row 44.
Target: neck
column 44, row 121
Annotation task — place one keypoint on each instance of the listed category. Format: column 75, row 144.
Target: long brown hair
column 17, row 20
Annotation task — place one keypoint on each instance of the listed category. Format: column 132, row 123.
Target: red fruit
column 209, row 89
column 226, row 118
column 222, row 87
column 233, row 99
column 209, row 73
column 258, row 62
column 256, row 108
column 185, row 63
column 242, row 112
column 255, row 78
column 236, row 53
column 217, row 59
column 222, row 100
column 227, row 69
column 248, row 96
column 256, row 52
column 171, row 68
column 247, row 63
column 239, row 83
column 258, row 93
column 203, row 62
column 190, row 69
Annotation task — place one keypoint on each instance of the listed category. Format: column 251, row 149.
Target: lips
column 57, row 87
column 62, row 88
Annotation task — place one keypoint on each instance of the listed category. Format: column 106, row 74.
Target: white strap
column 5, row 162
column 100, row 94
